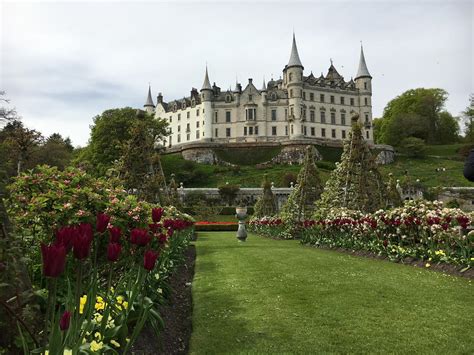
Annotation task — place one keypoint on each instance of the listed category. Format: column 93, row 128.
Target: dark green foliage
column 417, row 113
column 289, row 178
column 356, row 182
column 266, row 204
column 228, row 193
column 300, row 203
column 331, row 154
column 413, row 147
column 247, row 156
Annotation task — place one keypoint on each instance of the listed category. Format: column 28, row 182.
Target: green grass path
column 271, row 296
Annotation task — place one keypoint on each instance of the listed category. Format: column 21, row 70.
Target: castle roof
column 362, row 71
column 264, row 87
column 207, row 84
column 294, row 56
column 149, row 100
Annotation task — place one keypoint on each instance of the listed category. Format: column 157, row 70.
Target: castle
column 294, row 107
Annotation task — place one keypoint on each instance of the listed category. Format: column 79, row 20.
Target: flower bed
column 421, row 230
column 100, row 258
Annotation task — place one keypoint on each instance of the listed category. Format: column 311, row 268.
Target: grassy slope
column 250, row 176
column 268, row 296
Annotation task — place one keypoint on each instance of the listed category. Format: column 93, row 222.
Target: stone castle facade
column 294, row 107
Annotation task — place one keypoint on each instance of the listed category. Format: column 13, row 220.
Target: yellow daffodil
column 82, row 303
column 95, row 346
column 125, row 305
column 98, row 335
column 120, row 299
column 67, row 352
column 115, row 343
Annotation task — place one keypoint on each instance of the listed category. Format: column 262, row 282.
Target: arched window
column 290, row 77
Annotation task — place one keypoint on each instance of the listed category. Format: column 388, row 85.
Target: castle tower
column 363, row 82
column 293, row 80
column 206, row 96
column 149, row 105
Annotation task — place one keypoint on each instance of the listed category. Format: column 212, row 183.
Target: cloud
column 64, row 63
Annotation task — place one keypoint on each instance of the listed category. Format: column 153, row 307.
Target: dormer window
column 250, row 97
column 193, row 102
column 228, row 98
column 274, row 97
column 175, row 107
column 183, row 105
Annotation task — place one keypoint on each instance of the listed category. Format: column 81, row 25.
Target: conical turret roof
column 362, row 71
column 149, row 100
column 207, row 84
column 294, row 56
column 264, row 86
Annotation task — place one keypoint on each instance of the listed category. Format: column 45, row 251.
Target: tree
column 413, row 147
column 356, row 183
column 468, row 117
column 418, row 113
column 266, row 203
column 110, row 134
column 300, row 203
column 7, row 114
column 56, row 151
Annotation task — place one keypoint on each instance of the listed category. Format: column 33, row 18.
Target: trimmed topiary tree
column 356, row 183
column 301, row 202
column 266, row 204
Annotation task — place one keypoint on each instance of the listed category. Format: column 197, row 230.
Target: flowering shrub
column 419, row 229
column 272, row 227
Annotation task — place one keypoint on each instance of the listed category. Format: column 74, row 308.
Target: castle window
column 301, row 93
column 367, row 134
column 291, row 92
column 227, row 132
column 227, row 116
column 311, row 96
column 197, row 134
column 250, row 97
column 311, row 116
column 171, row 139
column 342, row 100
column 332, row 99
column 256, row 130
column 245, row 131
column 188, row 128
column 188, row 114
column 366, row 118
column 333, row 133
column 274, row 115
column 291, row 112
column 215, row 116
column 352, row 101
column 171, row 119
column 197, row 112
column 188, row 137
column 323, row 132
column 321, row 97
column 228, row 98
column 323, row 117
column 286, row 130
column 343, row 119
column 251, row 114
column 313, row 131
column 193, row 102
column 274, row 97
column 197, row 124
column 179, row 128
column 290, row 77
column 216, row 131
column 305, row 132
column 250, row 131
column 333, row 118
column 286, row 113
column 291, row 129
column 304, row 95
column 274, row 131
column 343, row 134
column 179, row 138
column 183, row 105
column 365, row 85
column 366, row 101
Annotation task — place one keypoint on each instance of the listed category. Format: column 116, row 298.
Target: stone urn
column 241, row 214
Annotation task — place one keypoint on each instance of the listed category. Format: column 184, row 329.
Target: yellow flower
column 125, row 305
column 95, row 346
column 427, row 265
column 98, row 317
column 67, row 352
column 98, row 335
column 115, row 343
column 120, row 299
column 127, row 340
column 82, row 302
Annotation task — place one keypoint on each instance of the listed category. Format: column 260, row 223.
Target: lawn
column 271, row 296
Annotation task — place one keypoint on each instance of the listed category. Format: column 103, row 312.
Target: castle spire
column 294, row 57
column 207, row 84
column 264, row 86
column 149, row 100
column 362, row 71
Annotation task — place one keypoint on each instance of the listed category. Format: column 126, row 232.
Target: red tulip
column 139, row 237
column 156, row 214
column 65, row 236
column 82, row 241
column 102, row 222
column 115, row 233
column 154, row 227
column 113, row 251
column 149, row 259
column 54, row 259
column 65, row 320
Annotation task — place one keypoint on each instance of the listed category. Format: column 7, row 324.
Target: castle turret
column 363, row 82
column 207, row 94
column 149, row 105
column 293, row 80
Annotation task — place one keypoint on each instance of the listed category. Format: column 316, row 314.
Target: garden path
column 274, row 296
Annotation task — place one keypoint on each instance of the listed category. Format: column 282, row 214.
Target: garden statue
column 241, row 214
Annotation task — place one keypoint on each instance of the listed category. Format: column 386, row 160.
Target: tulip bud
column 82, row 242
column 102, row 222
column 140, row 237
column 113, row 251
column 65, row 320
column 149, row 259
column 156, row 214
column 54, row 259
column 115, row 233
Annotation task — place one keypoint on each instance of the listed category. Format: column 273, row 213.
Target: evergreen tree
column 307, row 191
column 356, row 183
column 266, row 204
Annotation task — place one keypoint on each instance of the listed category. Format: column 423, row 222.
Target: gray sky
column 62, row 63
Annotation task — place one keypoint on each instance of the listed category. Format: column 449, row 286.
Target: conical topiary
column 266, row 204
column 307, row 191
column 356, row 183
